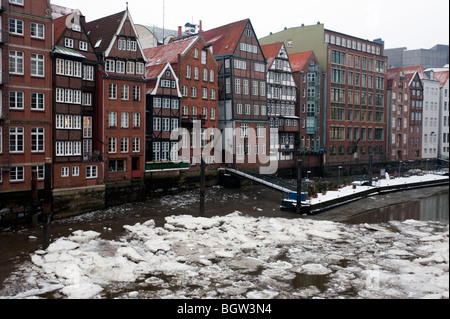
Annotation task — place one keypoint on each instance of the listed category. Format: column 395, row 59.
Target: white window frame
column 37, row 30
column 38, row 137
column 92, row 172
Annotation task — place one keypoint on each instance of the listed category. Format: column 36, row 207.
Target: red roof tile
column 168, row 53
column 441, row 76
column 224, row 39
column 271, row 51
column 298, row 60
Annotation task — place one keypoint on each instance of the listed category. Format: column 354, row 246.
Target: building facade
column 442, row 75
column 354, row 91
column 121, row 104
column 77, row 162
column 25, row 90
column 281, row 106
column 308, row 76
column 243, row 119
column 195, row 69
column 405, row 115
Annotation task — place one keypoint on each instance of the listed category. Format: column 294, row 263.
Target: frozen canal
column 245, row 247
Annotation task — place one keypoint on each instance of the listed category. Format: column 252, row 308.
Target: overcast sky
column 413, row 24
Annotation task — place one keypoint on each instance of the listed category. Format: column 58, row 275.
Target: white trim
column 168, row 65
column 114, row 39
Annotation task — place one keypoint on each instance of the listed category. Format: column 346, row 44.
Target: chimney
column 180, row 32
column 201, row 27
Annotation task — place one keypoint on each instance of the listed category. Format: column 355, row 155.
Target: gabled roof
column 154, row 73
column 168, row 53
column 224, row 39
column 60, row 26
column 271, row 51
column 298, row 60
column 105, row 28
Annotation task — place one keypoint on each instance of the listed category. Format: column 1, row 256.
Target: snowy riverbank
column 236, row 256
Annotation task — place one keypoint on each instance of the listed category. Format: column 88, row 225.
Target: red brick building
column 307, row 75
column 242, row 94
column 121, row 104
column 26, row 95
column 197, row 72
column 405, row 100
column 77, row 162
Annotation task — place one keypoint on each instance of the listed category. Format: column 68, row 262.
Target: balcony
column 164, row 166
column 189, row 119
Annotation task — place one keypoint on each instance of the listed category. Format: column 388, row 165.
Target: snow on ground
column 382, row 183
column 236, row 256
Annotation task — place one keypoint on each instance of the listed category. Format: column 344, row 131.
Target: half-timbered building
column 77, row 161
column 281, row 105
column 242, row 91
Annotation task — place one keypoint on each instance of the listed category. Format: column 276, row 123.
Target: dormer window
column 76, row 27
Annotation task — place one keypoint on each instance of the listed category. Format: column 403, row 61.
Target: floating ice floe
column 244, row 257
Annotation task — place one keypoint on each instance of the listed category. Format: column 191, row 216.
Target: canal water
column 428, row 204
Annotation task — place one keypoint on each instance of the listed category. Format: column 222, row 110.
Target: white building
column 442, row 75
column 430, row 132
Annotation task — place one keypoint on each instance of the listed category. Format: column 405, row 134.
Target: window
column 76, row 171
column 124, row 147
column 110, row 66
column 118, row 166
column 16, row 26
column 125, row 120
column 87, row 127
column 130, row 67
column 15, row 62
column 136, row 93
column 37, row 30
column 16, row 100
column 113, row 119
column 68, row 69
column 139, row 68
column 125, row 94
column 68, row 43
column 156, row 124
column 17, row 174
column 204, row 54
column 16, row 139
column 112, row 144
column 65, row 172
column 83, row 46
column 37, row 139
column 120, row 67
column 78, row 69
column 166, row 125
column 113, row 91
column 136, row 119
column 60, row 66
column 136, row 144
column 91, row 172
column 1, row 145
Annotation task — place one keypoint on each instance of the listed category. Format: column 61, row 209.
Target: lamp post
column 339, row 175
